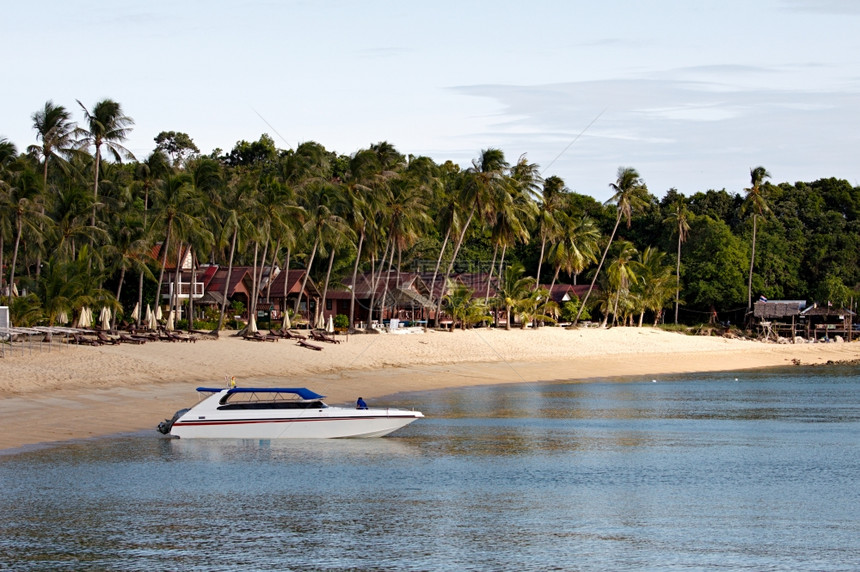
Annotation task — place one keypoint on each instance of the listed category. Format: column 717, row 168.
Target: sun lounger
column 105, row 339
column 295, row 335
column 82, row 341
column 126, row 339
column 309, row 345
column 321, row 337
column 258, row 337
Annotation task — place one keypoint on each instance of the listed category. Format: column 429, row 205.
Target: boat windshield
column 267, row 400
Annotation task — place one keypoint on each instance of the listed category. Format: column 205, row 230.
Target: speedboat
column 279, row 413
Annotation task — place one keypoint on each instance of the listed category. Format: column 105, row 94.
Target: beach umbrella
column 158, row 314
column 104, row 317
column 63, row 317
column 286, row 323
column 169, row 325
column 320, row 323
column 151, row 322
column 330, row 326
column 14, row 290
column 252, row 323
column 84, row 318
column 135, row 314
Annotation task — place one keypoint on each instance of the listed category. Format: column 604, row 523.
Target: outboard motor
column 166, row 425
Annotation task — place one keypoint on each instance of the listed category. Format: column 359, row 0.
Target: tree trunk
column 438, row 263
column 355, row 278
column 599, row 266
column 327, row 277
column 752, row 261
column 453, row 259
column 227, row 283
column 305, row 280
column 678, row 280
column 540, row 261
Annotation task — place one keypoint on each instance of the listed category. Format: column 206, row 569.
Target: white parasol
column 151, row 322
column 85, row 319
column 169, row 325
column 286, row 323
column 252, row 323
column 320, row 323
column 330, row 325
column 158, row 314
column 104, row 317
column 135, row 314
column 62, row 317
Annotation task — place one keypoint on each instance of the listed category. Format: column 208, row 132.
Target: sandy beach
column 74, row 392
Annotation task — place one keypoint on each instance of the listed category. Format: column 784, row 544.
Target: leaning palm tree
column 679, row 218
column 107, row 126
column 483, row 180
column 755, row 201
column 629, row 194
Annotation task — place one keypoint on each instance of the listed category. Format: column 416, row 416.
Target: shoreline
column 86, row 392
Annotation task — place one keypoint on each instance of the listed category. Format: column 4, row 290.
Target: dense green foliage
column 78, row 226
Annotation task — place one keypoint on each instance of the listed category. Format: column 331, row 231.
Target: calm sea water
column 708, row 472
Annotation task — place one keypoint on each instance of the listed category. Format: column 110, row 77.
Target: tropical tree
column 654, row 285
column 630, row 194
column 623, row 271
column 576, row 245
column 514, row 289
column 756, row 202
column 549, row 225
column 464, row 307
column 679, row 219
column 107, row 126
column 485, row 179
column 56, row 131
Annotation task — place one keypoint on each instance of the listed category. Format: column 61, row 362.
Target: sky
column 690, row 93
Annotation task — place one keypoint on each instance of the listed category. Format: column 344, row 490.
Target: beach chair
column 323, row 337
column 258, row 337
column 309, row 345
column 105, row 339
column 126, row 339
column 295, row 335
column 82, row 341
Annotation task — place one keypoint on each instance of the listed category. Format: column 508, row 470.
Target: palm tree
column 171, row 205
column 362, row 191
column 464, row 308
column 576, row 246
column 7, row 156
column 24, row 203
column 654, row 287
column 56, row 131
column 549, row 227
column 755, row 201
column 513, row 209
column 107, row 126
column 514, row 288
column 629, row 194
column 623, row 271
column 483, row 180
column 679, row 218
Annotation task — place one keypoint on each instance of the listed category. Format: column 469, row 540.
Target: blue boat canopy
column 302, row 392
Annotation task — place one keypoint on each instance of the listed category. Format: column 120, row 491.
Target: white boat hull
column 328, row 423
